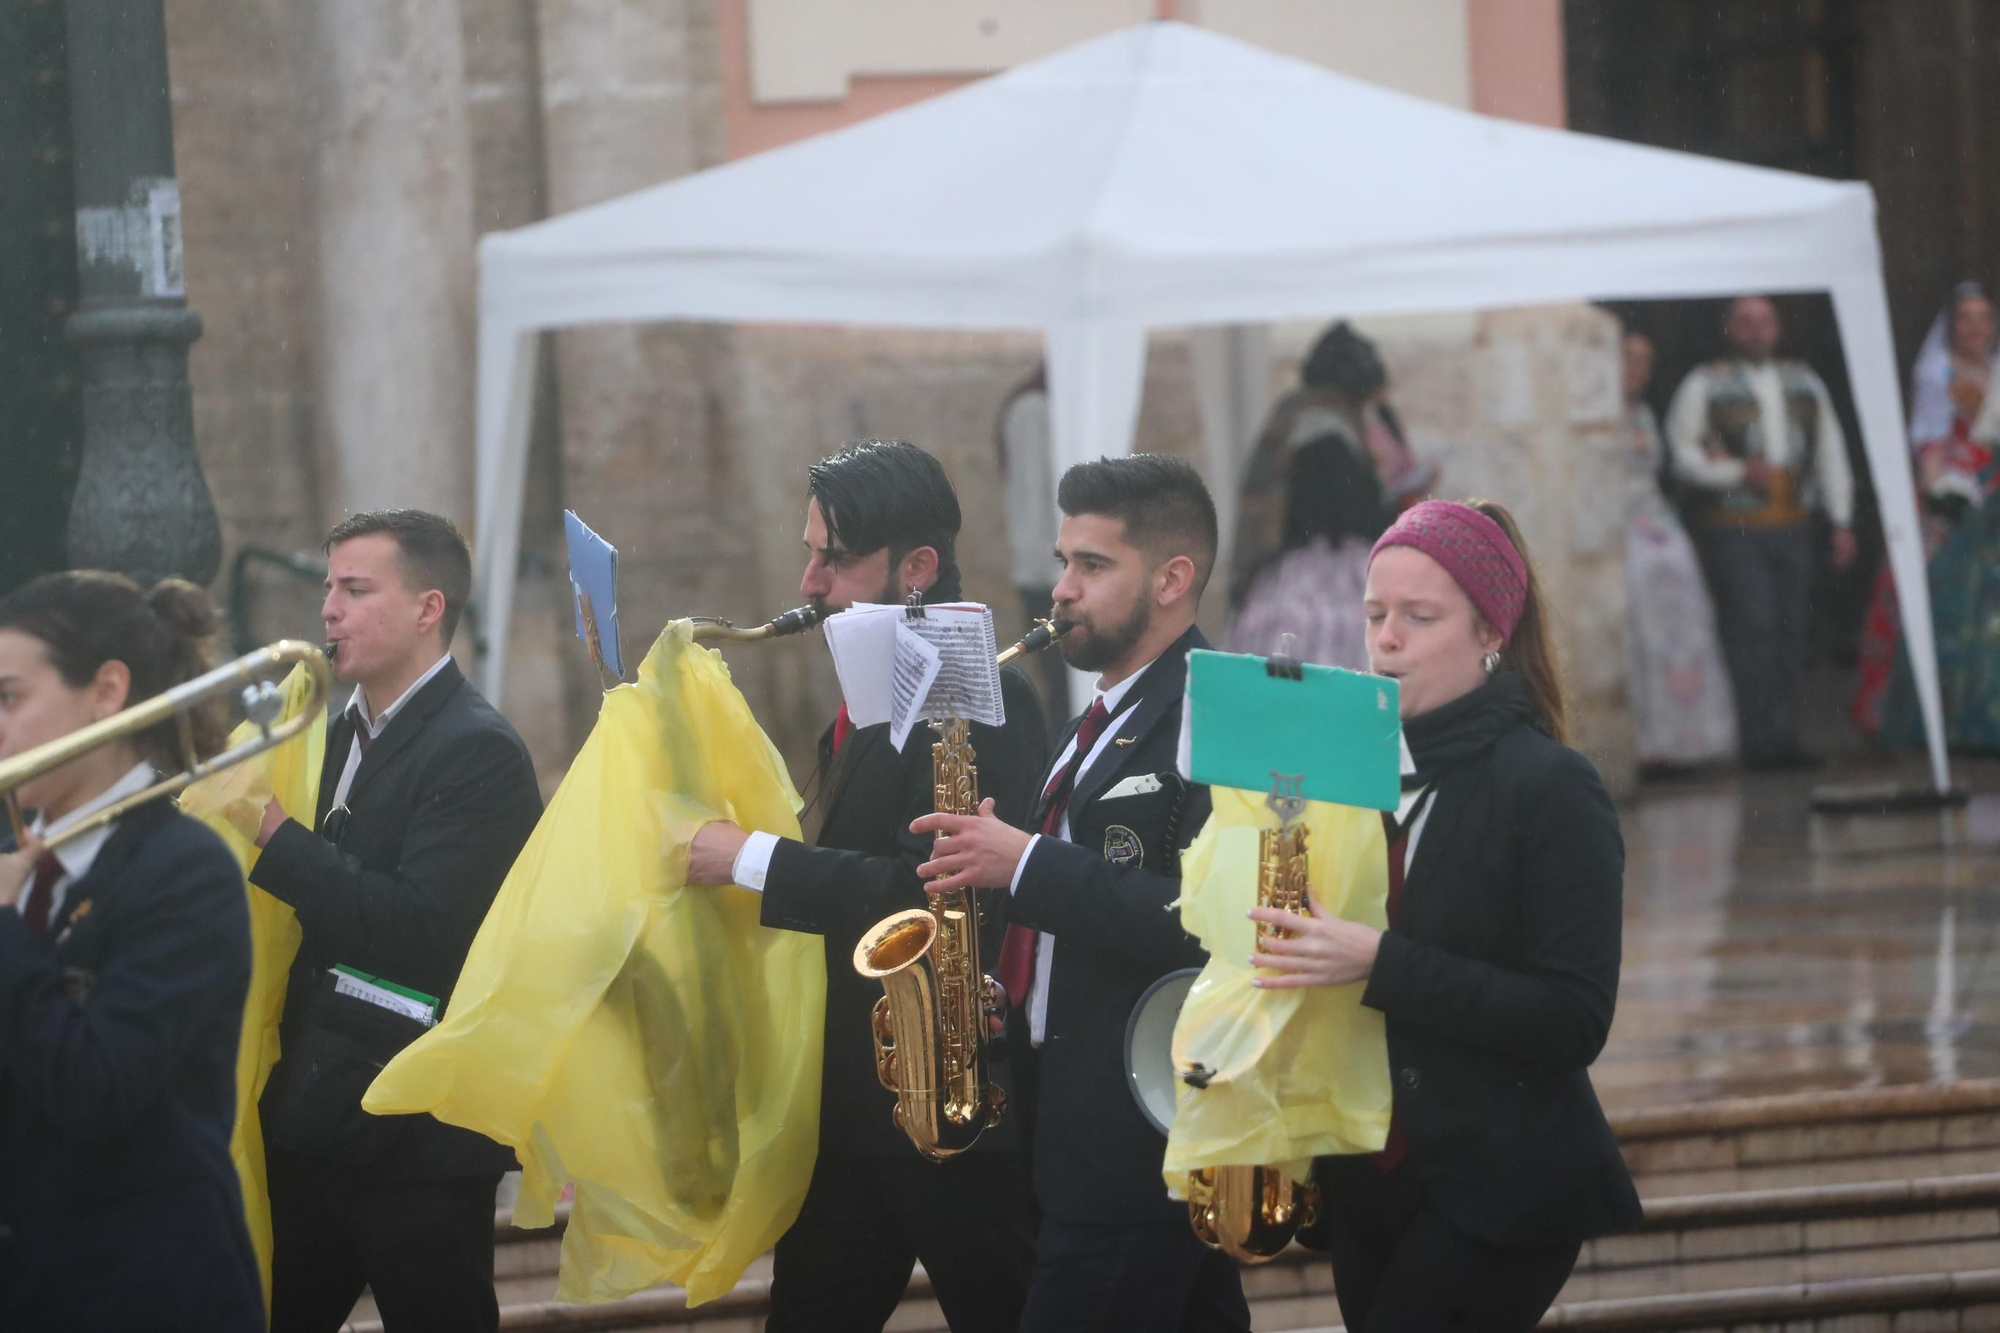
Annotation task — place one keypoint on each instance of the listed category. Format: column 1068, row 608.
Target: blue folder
column 593, row 579
column 1324, row 734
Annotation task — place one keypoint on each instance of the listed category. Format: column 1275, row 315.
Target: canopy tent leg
column 506, row 393
column 1861, row 308
column 1097, row 369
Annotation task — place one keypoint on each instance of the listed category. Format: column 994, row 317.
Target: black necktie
column 360, row 725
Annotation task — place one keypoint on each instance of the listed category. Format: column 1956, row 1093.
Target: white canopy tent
column 1166, row 176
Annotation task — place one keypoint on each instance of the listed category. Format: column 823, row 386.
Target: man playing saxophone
column 882, row 522
column 1089, row 905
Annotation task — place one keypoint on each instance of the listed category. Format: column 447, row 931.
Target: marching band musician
column 1499, row 970
column 425, row 799
column 882, row 522
column 124, row 964
column 1090, row 919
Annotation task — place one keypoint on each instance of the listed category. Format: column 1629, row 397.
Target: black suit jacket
column 440, row 806
column 1498, row 984
column 864, row 867
column 1104, row 895
column 119, row 1207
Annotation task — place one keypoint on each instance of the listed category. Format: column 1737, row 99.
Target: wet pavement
column 1770, row 950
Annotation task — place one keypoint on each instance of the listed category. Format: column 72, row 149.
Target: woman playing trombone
column 124, row 962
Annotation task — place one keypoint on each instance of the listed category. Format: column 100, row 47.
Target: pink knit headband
column 1473, row 550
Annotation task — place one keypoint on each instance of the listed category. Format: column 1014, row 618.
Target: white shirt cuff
column 753, row 861
column 1014, row 885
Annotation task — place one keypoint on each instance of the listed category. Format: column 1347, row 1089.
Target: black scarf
column 1446, row 737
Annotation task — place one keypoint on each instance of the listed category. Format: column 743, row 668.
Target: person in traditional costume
column 1961, row 476
column 1311, row 587
column 1343, row 394
column 1948, row 391
column 1683, row 711
column 1759, row 449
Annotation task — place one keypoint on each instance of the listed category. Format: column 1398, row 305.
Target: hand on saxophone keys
column 1320, row 949
column 972, row 851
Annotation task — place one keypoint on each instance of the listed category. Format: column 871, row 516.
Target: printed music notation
column 904, row 669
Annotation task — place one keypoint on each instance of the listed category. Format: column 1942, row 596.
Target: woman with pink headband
column 1499, row 970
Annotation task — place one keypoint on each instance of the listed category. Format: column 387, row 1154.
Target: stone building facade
column 337, row 174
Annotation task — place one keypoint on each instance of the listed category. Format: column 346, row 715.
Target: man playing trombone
column 882, row 522
column 426, row 797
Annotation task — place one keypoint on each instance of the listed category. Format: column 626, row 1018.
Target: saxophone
column 1251, row 1213
column 929, row 1027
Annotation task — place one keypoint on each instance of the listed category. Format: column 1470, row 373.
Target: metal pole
column 141, row 506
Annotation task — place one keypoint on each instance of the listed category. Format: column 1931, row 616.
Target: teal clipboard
column 1253, row 725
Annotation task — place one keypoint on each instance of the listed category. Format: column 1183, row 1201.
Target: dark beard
column 1101, row 649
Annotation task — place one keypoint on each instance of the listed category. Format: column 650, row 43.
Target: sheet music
column 883, row 658
column 968, row 681
column 910, row 678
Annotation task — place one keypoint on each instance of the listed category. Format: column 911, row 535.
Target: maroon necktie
column 1017, row 951
column 41, row 893
column 843, row 727
column 1395, row 1147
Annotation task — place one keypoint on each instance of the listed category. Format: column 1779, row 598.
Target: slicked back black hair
column 888, row 493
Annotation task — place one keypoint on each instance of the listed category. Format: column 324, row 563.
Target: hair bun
column 185, row 610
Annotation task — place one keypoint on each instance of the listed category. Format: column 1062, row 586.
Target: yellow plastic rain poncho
column 232, row 803
column 648, row 1042
column 1300, row 1072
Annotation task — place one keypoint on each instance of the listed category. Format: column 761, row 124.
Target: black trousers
column 1153, row 1276
column 425, row 1249
column 1399, row 1267
column 1762, row 582
column 865, row 1222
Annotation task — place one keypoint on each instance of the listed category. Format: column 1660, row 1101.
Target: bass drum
column 1149, row 1046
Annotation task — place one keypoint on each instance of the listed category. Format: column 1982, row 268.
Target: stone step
column 1949, row 1302
column 1818, row 1238
column 1813, row 1139
column 1740, row 1194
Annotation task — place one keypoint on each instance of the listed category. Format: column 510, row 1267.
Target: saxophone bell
column 929, row 1027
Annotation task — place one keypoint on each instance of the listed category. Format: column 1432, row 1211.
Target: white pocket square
column 1137, row 785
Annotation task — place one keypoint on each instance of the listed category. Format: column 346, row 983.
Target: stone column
column 631, row 98
column 1544, row 441
column 141, row 504
column 393, row 170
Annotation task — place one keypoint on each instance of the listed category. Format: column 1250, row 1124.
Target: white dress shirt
column 1687, row 436
column 1115, row 701
column 376, row 726
column 78, row 855
column 1409, row 803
